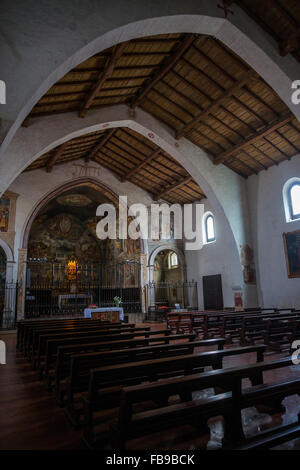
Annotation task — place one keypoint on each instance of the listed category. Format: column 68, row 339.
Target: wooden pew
column 109, row 341
column 31, row 333
column 107, row 335
column 78, row 381
column 132, row 424
column 73, row 365
column 37, row 333
column 105, row 383
column 279, row 331
column 254, row 327
column 23, row 325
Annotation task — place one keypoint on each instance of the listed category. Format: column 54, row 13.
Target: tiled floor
column 31, row 419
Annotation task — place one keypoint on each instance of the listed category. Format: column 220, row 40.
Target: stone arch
column 75, row 183
column 7, row 250
column 163, row 247
column 9, row 261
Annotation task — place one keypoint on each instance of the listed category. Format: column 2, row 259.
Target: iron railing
column 8, row 305
column 43, row 300
column 163, row 296
column 54, row 289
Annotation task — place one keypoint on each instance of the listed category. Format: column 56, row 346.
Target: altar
column 112, row 314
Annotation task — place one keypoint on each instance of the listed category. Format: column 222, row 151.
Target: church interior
column 123, row 343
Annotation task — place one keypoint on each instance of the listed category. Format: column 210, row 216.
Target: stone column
column 144, row 280
column 22, row 261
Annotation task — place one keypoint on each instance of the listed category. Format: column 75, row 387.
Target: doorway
column 212, row 292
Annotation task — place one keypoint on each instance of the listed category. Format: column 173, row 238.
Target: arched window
column 209, row 226
column 294, row 200
column 291, row 199
column 173, row 260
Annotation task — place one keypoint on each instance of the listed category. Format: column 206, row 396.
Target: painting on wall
column 247, row 261
column 4, row 214
column 291, row 242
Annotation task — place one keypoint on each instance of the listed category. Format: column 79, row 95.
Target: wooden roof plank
column 263, row 132
column 169, row 63
column 100, row 144
column 217, row 103
column 141, row 165
column 172, row 187
column 107, row 72
column 58, row 153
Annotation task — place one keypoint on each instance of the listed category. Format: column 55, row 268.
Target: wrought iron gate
column 66, row 289
column 8, row 305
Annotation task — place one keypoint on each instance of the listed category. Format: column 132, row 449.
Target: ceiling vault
column 195, row 85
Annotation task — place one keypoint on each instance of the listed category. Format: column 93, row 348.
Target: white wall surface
column 268, row 223
column 217, row 258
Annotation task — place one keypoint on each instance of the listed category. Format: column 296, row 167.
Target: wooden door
column 212, row 292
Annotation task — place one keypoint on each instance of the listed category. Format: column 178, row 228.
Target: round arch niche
column 72, row 185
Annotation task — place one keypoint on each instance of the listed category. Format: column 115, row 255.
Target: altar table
column 113, row 314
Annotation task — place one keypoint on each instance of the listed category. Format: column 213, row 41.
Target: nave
column 31, row 417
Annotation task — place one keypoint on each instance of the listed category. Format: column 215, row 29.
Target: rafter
column 290, row 44
column 99, row 144
column 266, row 130
column 168, row 64
column 107, row 72
column 58, row 153
column 141, row 165
column 217, row 103
column 172, row 187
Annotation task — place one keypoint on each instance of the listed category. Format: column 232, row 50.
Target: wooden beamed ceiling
column 279, row 18
column 194, row 84
column 131, row 157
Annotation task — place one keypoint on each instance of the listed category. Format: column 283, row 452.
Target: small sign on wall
column 238, row 301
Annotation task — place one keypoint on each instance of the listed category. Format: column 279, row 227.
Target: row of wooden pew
column 92, row 366
column 275, row 327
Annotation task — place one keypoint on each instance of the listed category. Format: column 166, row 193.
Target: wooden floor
column 31, row 420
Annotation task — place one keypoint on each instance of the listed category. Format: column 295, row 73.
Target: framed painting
column 4, row 214
column 291, row 242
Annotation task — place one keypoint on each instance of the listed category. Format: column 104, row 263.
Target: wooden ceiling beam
column 141, row 165
column 168, row 64
column 100, row 144
column 290, row 44
column 217, row 103
column 266, row 130
column 107, row 72
column 58, row 153
column 287, row 45
column 172, row 187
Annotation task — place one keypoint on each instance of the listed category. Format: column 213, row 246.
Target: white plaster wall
column 217, row 258
column 268, row 224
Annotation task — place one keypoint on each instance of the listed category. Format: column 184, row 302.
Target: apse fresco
column 4, row 214
column 58, row 242
column 60, row 237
